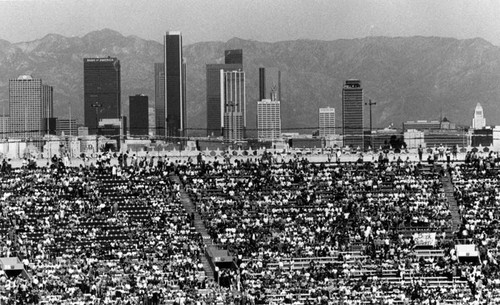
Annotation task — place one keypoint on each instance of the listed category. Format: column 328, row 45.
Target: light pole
column 370, row 104
column 97, row 106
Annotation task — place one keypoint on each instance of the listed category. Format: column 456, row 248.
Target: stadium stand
column 250, row 231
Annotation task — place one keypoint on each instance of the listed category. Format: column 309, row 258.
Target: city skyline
column 253, row 73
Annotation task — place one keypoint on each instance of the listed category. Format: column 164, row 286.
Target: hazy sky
column 264, row 20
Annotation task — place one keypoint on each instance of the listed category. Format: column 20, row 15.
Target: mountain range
column 409, row 78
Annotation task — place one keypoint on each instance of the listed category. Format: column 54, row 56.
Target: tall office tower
column 215, row 110
column 49, row 122
column 139, row 115
column 352, row 113
column 233, row 102
column 233, row 57
column 160, row 99
column 262, row 84
column 479, row 121
column 269, row 84
column 4, row 126
column 268, row 120
column 48, row 101
column 30, row 105
column 175, row 87
column 326, row 122
column 101, row 89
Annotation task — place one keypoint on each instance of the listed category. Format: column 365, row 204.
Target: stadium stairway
column 198, row 224
column 449, row 193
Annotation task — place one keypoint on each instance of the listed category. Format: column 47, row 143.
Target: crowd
column 99, row 234
column 266, row 212
column 114, row 231
column 301, row 209
column 477, row 190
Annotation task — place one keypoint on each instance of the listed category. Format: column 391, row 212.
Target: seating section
column 300, row 232
column 86, row 235
column 306, row 232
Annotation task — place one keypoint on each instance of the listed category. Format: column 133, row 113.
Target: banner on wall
column 425, row 239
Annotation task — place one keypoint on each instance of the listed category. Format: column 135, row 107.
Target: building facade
column 352, row 114
column 4, row 126
column 139, row 115
column 214, row 84
column 214, row 90
column 478, row 122
column 268, row 120
column 326, row 122
column 159, row 99
column 102, row 91
column 421, row 125
column 30, row 106
column 270, row 84
column 233, row 104
column 67, row 127
column 175, row 86
column 49, row 121
column 233, row 57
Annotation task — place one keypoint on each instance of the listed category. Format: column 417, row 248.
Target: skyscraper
column 102, row 90
column 47, row 101
column 268, row 120
column 30, row 105
column 160, row 99
column 233, row 101
column 479, row 121
column 352, row 113
column 49, row 122
column 175, row 87
column 262, row 84
column 139, row 115
column 269, row 84
column 215, row 109
column 326, row 122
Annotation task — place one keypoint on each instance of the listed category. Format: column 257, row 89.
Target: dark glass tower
column 139, row 116
column 269, row 84
column 233, row 57
column 175, row 88
column 262, row 83
column 101, row 87
column 352, row 114
column 215, row 111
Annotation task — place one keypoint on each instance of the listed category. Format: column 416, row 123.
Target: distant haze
column 262, row 20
